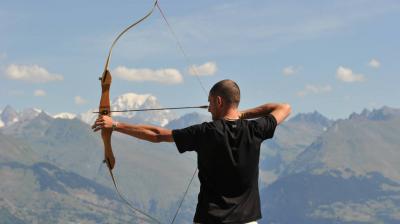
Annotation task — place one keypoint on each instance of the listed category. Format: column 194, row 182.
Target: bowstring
column 134, row 209
column 196, row 74
column 182, row 50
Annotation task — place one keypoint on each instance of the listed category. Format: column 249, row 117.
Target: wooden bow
column 104, row 110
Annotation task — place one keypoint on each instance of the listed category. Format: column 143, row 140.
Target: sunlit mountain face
column 314, row 170
column 349, row 174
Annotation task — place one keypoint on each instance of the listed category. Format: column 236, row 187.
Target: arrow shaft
column 155, row 109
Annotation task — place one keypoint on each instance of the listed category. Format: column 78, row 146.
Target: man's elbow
column 282, row 112
column 287, row 108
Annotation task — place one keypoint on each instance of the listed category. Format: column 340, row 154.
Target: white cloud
column 374, row 63
column 347, row 75
column 167, row 76
column 31, row 73
column 79, row 100
column 314, row 89
column 208, row 68
column 39, row 92
column 290, row 70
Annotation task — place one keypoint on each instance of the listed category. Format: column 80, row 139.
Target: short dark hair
column 228, row 90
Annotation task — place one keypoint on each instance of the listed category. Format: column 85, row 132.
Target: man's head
column 224, row 97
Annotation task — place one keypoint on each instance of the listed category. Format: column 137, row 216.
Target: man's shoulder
column 196, row 128
column 205, row 124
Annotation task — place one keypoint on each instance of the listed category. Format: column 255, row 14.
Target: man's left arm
column 145, row 132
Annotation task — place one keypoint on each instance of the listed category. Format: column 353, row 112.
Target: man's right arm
column 279, row 110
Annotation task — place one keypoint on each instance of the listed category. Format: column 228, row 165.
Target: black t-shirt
column 228, row 153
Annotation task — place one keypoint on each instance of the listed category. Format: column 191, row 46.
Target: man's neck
column 231, row 114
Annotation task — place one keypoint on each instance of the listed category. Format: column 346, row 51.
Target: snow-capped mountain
column 134, row 101
column 65, row 115
column 162, row 117
column 10, row 116
column 131, row 101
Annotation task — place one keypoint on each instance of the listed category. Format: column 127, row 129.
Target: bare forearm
column 259, row 111
column 280, row 111
column 145, row 132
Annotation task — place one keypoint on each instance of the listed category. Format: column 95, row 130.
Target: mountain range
column 314, row 170
column 349, row 174
column 127, row 101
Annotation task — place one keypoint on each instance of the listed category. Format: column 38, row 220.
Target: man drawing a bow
column 228, row 152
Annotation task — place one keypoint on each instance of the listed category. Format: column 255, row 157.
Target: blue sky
column 336, row 57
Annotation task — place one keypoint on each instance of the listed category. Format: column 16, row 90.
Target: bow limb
column 104, row 109
column 126, row 30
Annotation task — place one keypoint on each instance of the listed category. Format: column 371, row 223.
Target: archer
column 228, row 152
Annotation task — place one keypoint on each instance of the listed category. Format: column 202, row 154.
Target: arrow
column 152, row 109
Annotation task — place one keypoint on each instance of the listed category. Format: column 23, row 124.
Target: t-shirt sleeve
column 186, row 139
column 265, row 126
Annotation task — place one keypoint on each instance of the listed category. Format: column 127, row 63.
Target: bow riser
column 104, row 109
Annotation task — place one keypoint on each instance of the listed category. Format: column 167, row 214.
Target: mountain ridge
column 349, row 174
column 293, row 156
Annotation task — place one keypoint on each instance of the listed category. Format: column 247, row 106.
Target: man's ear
column 219, row 101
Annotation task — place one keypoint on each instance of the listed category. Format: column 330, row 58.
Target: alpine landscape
column 314, row 170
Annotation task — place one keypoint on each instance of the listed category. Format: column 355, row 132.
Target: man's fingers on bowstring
column 98, row 124
column 97, row 128
column 94, row 124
